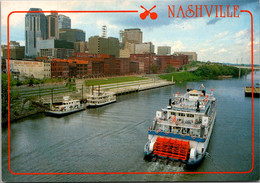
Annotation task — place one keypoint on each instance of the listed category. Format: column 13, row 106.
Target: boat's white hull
column 100, row 104
column 62, row 113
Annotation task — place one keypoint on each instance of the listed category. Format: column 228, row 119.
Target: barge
column 248, row 91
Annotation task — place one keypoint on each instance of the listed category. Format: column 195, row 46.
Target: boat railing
column 174, row 131
column 179, row 123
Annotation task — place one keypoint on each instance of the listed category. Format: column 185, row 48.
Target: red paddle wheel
column 176, row 149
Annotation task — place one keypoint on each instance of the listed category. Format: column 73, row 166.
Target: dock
column 248, row 91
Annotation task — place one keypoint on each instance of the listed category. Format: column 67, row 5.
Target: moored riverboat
column 100, row 98
column 67, row 107
column 181, row 131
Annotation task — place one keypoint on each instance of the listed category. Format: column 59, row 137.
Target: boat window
column 173, row 113
column 190, row 115
column 181, row 114
column 193, row 95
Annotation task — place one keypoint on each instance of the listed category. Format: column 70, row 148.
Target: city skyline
column 214, row 39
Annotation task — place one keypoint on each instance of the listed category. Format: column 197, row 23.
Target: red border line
column 98, row 173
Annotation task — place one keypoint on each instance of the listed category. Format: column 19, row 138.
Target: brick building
column 162, row 61
column 59, row 68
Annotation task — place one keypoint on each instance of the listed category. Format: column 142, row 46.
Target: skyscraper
column 35, row 29
column 52, row 26
column 64, row 22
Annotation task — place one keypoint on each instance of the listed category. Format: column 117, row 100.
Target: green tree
column 154, row 69
column 13, row 94
column 169, row 69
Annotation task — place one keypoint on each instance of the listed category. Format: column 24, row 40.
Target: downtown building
column 143, row 48
column 52, row 26
column 129, row 38
column 35, row 30
column 54, row 48
column 72, row 35
column 101, row 45
column 64, row 22
column 163, row 50
column 16, row 51
column 192, row 55
column 81, row 47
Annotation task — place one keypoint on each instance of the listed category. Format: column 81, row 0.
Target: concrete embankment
column 142, row 87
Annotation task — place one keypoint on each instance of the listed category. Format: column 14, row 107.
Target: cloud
column 213, row 21
column 242, row 34
column 221, row 35
column 223, row 50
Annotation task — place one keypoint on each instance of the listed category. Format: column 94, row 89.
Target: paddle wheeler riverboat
column 67, row 107
column 100, row 98
column 181, row 132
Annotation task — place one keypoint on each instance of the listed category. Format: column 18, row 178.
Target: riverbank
column 21, row 109
column 29, row 105
column 205, row 71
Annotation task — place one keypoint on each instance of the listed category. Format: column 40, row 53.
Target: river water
column 112, row 138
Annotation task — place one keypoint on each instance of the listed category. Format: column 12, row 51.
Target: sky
column 225, row 40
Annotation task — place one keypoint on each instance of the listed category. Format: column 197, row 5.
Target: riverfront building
column 35, row 30
column 30, row 69
column 163, row 50
column 100, row 45
column 162, row 61
column 72, row 35
column 64, row 22
column 192, row 55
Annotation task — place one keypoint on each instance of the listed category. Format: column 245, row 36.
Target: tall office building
column 129, row 38
column 52, row 26
column 35, row 29
column 164, row 50
column 64, row 22
column 72, row 35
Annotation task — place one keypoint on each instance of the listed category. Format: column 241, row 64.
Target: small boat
column 181, row 131
column 67, row 107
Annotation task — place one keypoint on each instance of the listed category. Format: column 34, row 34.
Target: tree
column 154, row 69
column 13, row 95
column 169, row 69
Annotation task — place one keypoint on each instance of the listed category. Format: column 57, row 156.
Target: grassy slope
column 113, row 80
column 180, row 76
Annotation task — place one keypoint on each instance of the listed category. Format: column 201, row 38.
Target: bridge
column 246, row 67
